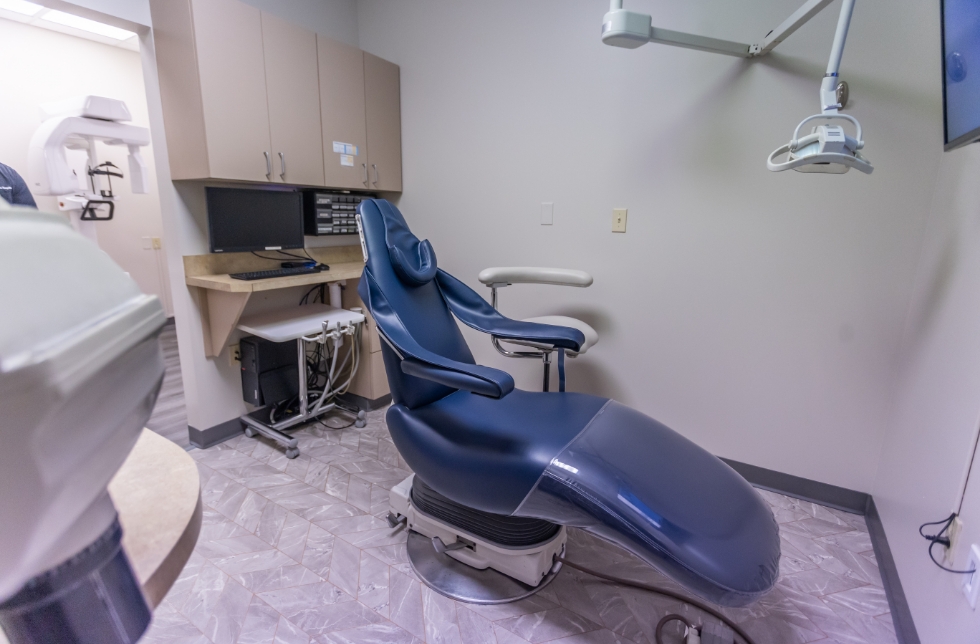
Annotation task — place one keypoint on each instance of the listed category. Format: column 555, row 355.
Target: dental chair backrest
column 404, row 269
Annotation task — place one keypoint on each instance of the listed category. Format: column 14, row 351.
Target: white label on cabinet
column 344, row 148
column 346, row 159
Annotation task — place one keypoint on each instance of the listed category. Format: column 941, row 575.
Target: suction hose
column 666, row 593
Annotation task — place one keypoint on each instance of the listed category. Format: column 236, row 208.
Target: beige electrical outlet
column 234, row 355
column 619, row 220
column 157, row 244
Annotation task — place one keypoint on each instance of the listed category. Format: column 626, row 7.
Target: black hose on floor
column 666, row 593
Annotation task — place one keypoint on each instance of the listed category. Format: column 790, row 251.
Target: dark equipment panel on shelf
column 330, row 213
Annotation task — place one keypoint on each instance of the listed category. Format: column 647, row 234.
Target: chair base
column 464, row 563
column 461, row 582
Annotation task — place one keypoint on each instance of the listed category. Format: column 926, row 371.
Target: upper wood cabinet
column 212, row 85
column 342, row 113
column 294, row 101
column 382, row 98
column 248, row 96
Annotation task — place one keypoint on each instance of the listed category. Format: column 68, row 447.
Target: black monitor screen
column 961, row 71
column 246, row 220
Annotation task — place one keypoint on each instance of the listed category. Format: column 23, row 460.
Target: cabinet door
column 294, row 102
column 342, row 114
column 228, row 34
column 382, row 97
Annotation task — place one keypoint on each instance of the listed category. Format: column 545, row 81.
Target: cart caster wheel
column 360, row 422
column 292, row 452
column 250, row 432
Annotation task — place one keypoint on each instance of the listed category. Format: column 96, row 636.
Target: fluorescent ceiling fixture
column 85, row 24
column 20, row 6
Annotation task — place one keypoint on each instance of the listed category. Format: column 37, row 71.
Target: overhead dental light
column 827, row 148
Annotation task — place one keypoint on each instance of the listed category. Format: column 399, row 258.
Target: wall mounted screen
column 248, row 220
column 961, row 71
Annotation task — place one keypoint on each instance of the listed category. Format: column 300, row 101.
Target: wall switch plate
column 547, row 213
column 147, row 243
column 955, row 528
column 619, row 220
column 234, row 355
column 971, row 583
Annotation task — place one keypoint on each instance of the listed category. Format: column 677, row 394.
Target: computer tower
column 269, row 370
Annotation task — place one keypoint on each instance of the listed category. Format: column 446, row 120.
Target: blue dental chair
column 508, row 465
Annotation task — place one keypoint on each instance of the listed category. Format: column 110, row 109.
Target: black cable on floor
column 666, row 593
column 668, row 619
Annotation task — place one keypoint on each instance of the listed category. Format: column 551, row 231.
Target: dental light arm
column 621, row 28
column 828, row 88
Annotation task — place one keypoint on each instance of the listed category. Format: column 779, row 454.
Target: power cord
column 939, row 538
column 693, row 637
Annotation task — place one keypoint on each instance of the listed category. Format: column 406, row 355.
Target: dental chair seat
column 566, row 458
column 591, row 337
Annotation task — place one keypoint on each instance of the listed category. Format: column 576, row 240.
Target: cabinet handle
column 377, row 177
column 268, row 166
column 365, row 181
column 282, row 162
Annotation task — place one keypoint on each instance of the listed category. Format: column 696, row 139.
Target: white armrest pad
column 532, row 275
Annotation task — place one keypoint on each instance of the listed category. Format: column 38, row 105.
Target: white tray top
column 290, row 324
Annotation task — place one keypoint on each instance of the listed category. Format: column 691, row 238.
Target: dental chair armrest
column 534, row 275
column 485, row 385
column 473, row 311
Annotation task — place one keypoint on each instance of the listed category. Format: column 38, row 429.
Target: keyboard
column 276, row 272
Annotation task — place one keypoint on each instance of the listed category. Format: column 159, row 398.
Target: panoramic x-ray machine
column 827, row 149
column 76, row 125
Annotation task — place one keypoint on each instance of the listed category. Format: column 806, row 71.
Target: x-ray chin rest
column 500, row 470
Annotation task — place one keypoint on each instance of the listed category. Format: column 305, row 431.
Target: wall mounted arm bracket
column 621, row 28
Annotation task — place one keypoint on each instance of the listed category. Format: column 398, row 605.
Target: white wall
column 933, row 428
column 757, row 313
column 53, row 66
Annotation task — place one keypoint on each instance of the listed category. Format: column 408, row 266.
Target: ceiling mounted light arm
column 627, row 29
column 789, row 26
column 828, row 88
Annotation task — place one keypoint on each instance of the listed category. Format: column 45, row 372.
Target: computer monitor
column 961, row 71
column 242, row 220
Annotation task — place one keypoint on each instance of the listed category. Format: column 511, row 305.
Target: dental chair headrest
column 414, row 261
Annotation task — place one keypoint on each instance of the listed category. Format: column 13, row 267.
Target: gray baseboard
column 899, row 605
column 205, row 438
column 797, row 487
column 848, row 501
column 364, row 403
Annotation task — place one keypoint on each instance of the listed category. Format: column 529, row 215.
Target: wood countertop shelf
column 222, row 299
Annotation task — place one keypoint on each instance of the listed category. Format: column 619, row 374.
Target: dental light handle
column 828, row 88
column 795, row 143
